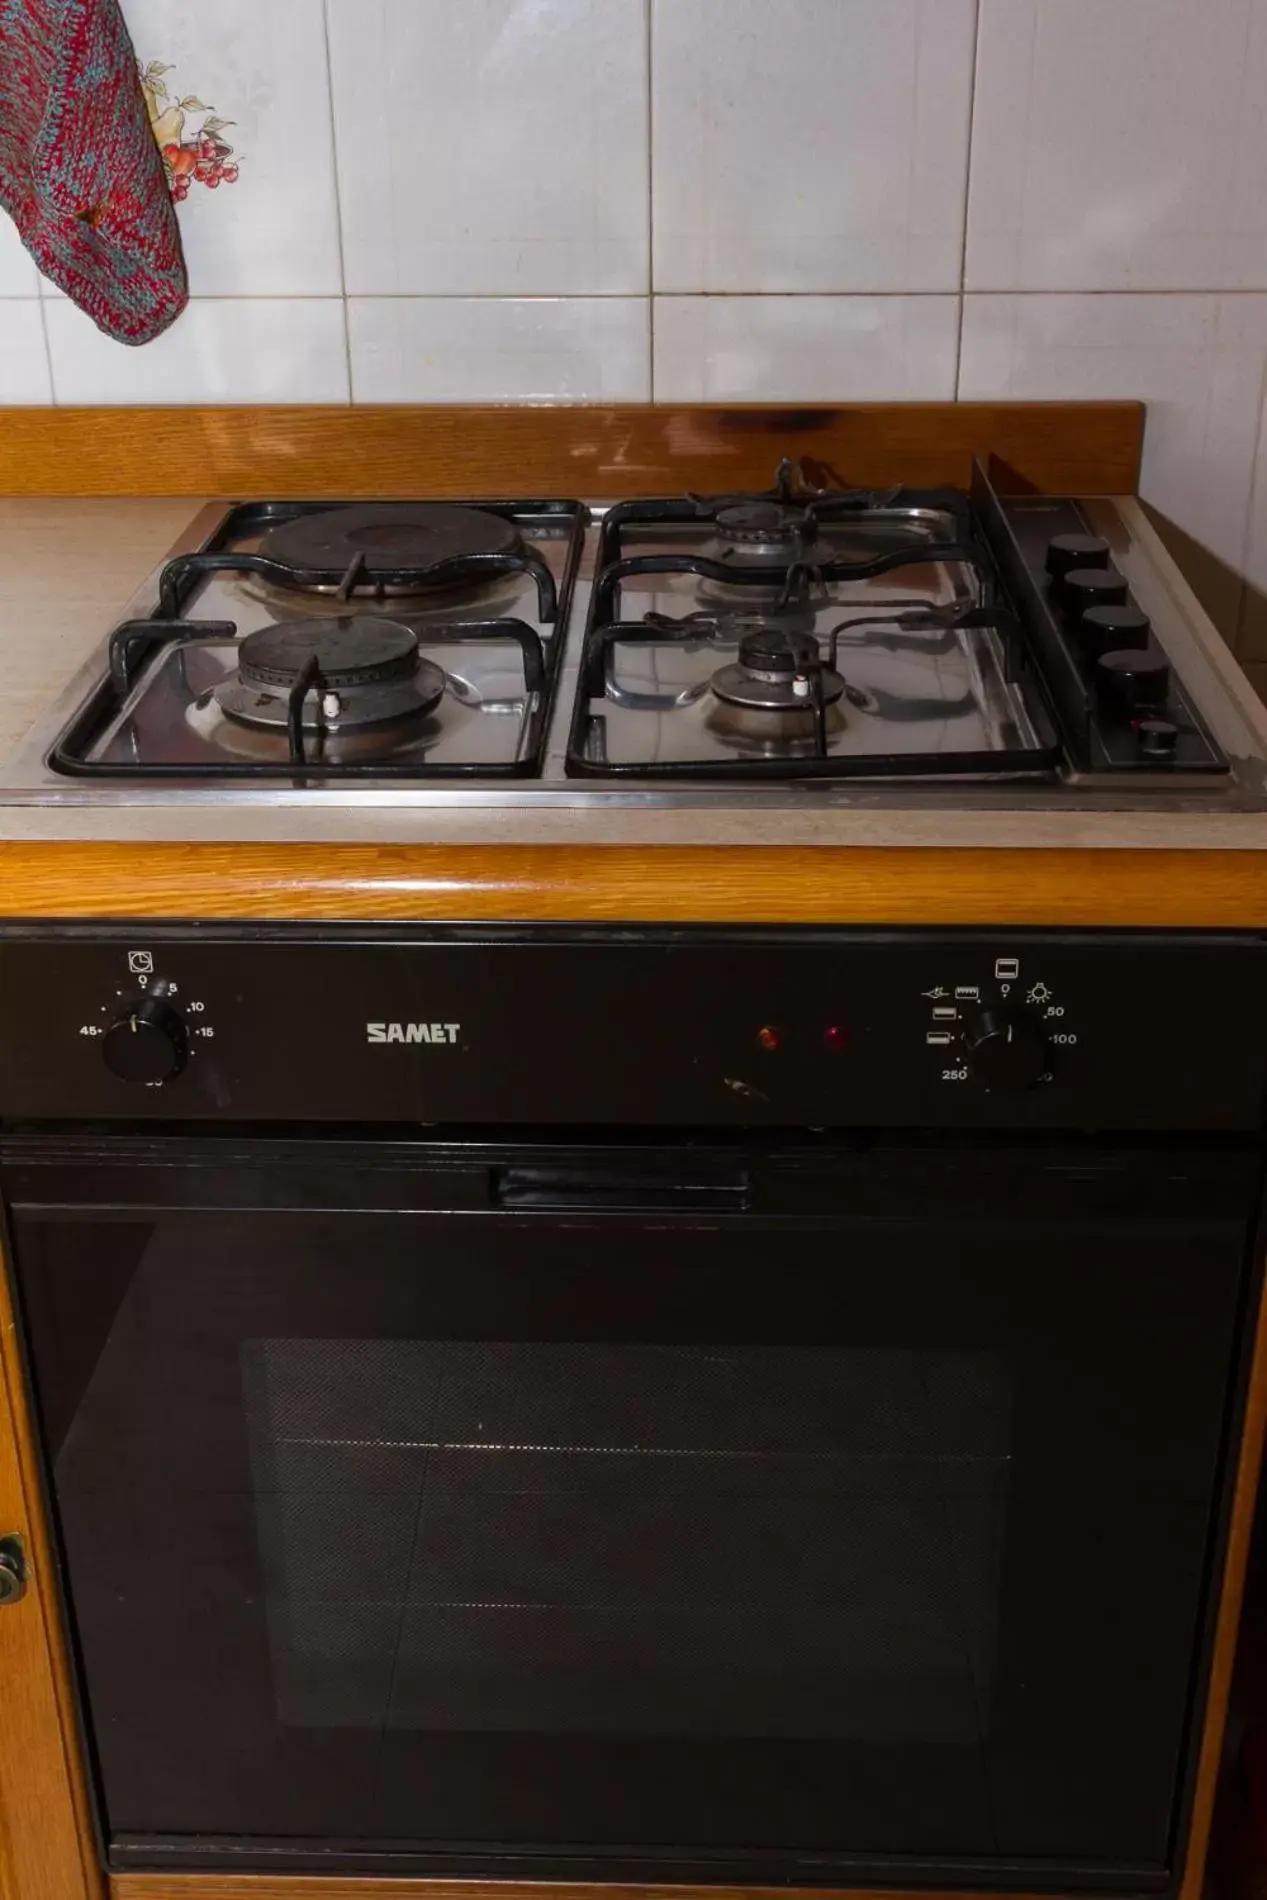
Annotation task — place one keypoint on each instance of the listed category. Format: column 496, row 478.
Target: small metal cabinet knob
column 12, row 1570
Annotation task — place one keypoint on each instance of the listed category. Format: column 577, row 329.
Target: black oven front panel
column 629, row 1027
column 453, row 1475
column 595, row 1513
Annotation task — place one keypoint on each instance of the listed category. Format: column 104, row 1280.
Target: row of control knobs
column 1113, row 638
column 148, row 1042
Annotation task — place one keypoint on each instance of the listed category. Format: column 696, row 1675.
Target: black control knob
column 1157, row 738
column 1088, row 587
column 1134, row 682
column 147, row 1043
column 1006, row 1048
column 1068, row 551
column 1112, row 630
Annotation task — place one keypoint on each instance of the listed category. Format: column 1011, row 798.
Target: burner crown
column 778, row 653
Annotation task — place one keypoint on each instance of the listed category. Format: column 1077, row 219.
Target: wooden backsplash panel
column 1054, row 448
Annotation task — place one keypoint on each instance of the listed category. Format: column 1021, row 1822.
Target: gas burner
column 767, row 542
column 755, row 537
column 385, row 548
column 364, row 672
column 763, row 533
column 778, row 672
column 778, row 696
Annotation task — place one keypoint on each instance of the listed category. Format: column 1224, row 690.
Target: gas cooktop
column 806, row 641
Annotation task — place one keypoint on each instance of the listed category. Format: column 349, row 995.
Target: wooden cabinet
column 46, row 1848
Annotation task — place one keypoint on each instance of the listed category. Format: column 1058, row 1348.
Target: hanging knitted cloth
column 80, row 173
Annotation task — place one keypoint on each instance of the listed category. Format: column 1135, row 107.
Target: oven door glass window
column 580, row 1540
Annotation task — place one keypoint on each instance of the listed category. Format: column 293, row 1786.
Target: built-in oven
column 672, row 1420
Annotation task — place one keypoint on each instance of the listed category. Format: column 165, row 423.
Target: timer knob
column 1006, row 1048
column 146, row 1042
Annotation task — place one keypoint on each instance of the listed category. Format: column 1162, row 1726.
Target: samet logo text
column 412, row 1032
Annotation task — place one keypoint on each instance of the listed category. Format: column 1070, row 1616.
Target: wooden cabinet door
column 46, row 1848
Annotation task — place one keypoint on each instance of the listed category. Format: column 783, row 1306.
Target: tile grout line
column 967, row 194
column 338, row 197
column 48, row 350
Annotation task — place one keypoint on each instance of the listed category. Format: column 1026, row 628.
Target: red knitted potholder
column 80, row 173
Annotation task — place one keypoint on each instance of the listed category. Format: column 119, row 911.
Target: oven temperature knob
column 147, row 1042
column 1005, row 1048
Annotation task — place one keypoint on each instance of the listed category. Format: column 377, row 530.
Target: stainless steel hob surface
column 801, row 650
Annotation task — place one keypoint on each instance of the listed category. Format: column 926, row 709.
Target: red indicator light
column 769, row 1038
column 835, row 1039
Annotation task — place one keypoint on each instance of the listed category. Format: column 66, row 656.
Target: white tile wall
column 23, row 358
column 493, row 147
column 18, row 275
column 805, row 349
column 500, row 349
column 222, row 350
column 820, row 146
column 1119, row 145
column 720, row 200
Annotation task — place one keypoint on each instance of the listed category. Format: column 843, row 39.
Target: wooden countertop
column 66, row 568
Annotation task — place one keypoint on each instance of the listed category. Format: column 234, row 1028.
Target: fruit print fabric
column 189, row 135
column 80, row 173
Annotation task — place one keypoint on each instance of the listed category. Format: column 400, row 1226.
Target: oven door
column 810, row 1514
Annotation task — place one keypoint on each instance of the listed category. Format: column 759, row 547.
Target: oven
column 679, row 1418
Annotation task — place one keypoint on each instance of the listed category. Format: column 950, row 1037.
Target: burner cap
column 350, row 649
column 397, row 541
column 371, row 674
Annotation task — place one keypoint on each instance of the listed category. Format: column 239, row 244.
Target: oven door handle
column 555, row 1188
